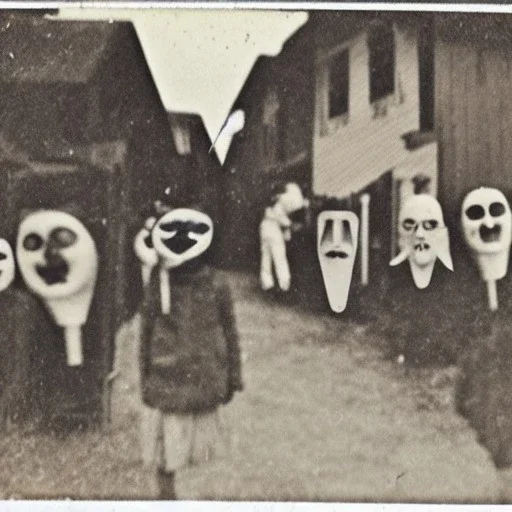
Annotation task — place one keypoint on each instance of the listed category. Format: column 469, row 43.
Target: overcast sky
column 200, row 58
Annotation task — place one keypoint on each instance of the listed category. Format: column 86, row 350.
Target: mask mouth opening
column 55, row 273
column 333, row 254
column 179, row 243
column 421, row 246
column 490, row 235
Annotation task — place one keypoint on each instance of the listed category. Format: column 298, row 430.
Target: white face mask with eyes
column 58, row 261
column 337, row 234
column 423, row 238
column 179, row 236
column 487, row 227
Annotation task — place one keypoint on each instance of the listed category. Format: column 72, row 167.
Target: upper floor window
column 381, row 47
column 333, row 89
column 338, row 84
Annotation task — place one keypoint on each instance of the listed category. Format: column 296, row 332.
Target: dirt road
column 323, row 417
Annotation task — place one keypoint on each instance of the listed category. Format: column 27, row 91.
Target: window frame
column 379, row 97
column 327, row 123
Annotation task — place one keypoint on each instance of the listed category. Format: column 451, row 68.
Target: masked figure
column 336, row 247
column 189, row 351
column 275, row 231
column 179, row 236
column 423, row 238
column 487, row 224
column 143, row 247
column 58, row 261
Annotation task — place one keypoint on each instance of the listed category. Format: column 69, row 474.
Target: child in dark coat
column 190, row 355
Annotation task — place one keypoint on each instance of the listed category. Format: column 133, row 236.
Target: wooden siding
column 355, row 154
column 474, row 119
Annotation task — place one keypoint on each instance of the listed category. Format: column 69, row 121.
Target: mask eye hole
column 496, row 209
column 32, row 242
column 63, row 237
column 430, row 224
column 171, row 226
column 3, row 256
column 475, row 212
column 409, row 224
column 200, row 228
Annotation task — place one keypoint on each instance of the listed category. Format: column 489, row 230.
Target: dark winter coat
column 190, row 359
column 430, row 325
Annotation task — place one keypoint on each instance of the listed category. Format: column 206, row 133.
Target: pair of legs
column 273, row 255
column 171, row 441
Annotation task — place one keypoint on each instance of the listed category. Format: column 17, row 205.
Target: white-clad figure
column 423, row 237
column 58, row 261
column 275, row 231
column 7, row 265
column 337, row 236
column 487, row 227
column 178, row 236
column 143, row 247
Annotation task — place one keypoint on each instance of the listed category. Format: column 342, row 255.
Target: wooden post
column 365, row 237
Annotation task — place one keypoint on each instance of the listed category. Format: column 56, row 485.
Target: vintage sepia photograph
column 255, row 254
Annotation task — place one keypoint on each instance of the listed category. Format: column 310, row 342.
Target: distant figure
column 190, row 354
column 275, row 231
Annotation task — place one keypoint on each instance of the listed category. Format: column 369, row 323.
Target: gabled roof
column 39, row 50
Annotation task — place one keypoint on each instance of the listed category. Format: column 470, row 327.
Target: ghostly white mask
column 337, row 237
column 181, row 235
column 423, row 238
column 487, row 226
column 292, row 199
column 7, row 265
column 58, row 261
column 143, row 247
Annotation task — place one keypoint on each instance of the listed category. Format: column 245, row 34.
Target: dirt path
column 324, row 417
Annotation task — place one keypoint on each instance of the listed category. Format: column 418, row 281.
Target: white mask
column 143, row 247
column 181, row 235
column 337, row 236
column 487, row 226
column 7, row 266
column 58, row 261
column 423, row 238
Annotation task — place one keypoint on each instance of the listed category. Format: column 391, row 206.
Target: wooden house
column 274, row 145
column 82, row 126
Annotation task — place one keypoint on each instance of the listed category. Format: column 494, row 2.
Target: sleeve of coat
column 228, row 320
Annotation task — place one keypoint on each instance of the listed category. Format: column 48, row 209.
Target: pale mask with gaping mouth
column 487, row 226
column 423, row 238
column 58, row 261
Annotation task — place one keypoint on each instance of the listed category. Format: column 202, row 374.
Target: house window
column 181, row 135
column 333, row 89
column 381, row 46
column 426, row 75
column 338, row 84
